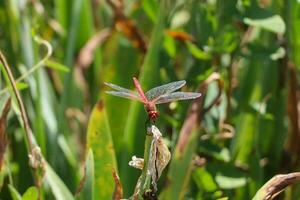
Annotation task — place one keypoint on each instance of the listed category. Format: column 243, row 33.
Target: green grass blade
column 62, row 12
column 31, row 194
column 68, row 61
column 124, row 61
column 87, row 192
column 59, row 189
column 100, row 141
column 14, row 193
column 294, row 30
column 136, row 118
column 57, row 66
column 180, row 162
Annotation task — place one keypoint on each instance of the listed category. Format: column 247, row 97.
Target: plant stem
column 32, row 148
column 145, row 182
column 27, row 128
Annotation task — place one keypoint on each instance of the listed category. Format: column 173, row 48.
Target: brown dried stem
column 196, row 111
column 118, row 193
column 86, row 57
column 127, row 26
column 3, row 136
column 293, row 114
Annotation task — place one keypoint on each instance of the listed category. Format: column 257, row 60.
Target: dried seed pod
column 159, row 155
column 36, row 159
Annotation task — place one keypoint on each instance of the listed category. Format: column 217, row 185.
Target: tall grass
column 243, row 56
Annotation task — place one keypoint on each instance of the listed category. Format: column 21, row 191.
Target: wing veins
column 155, row 93
column 176, row 96
column 122, row 92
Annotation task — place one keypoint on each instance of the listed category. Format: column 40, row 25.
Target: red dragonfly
column 158, row 95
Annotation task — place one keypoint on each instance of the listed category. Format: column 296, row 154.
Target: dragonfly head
column 153, row 115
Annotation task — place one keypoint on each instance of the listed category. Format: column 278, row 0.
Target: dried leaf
column 159, row 155
column 127, row 26
column 180, row 35
column 276, row 185
column 86, row 54
column 118, row 193
column 86, row 57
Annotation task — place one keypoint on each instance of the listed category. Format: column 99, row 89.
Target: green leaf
column 57, row 66
column 66, row 150
column 293, row 26
column 14, row 193
column 170, row 45
column 150, row 6
column 100, row 141
column 118, row 55
column 274, row 24
column 226, row 182
column 197, row 52
column 87, row 192
column 180, row 162
column 280, row 53
column 21, row 85
column 204, row 180
column 221, row 154
column 31, row 194
column 59, row 189
column 223, row 198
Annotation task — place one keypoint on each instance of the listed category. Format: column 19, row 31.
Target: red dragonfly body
column 161, row 94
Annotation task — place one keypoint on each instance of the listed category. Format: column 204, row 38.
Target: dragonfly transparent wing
column 123, row 92
column 155, row 93
column 175, row 96
column 118, row 88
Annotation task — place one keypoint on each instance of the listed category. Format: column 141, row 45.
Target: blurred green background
column 249, row 134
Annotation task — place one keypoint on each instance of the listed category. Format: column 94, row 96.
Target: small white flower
column 137, row 163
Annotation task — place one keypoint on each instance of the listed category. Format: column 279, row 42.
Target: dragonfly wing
column 122, row 92
column 156, row 92
column 175, row 96
column 118, row 88
column 125, row 95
